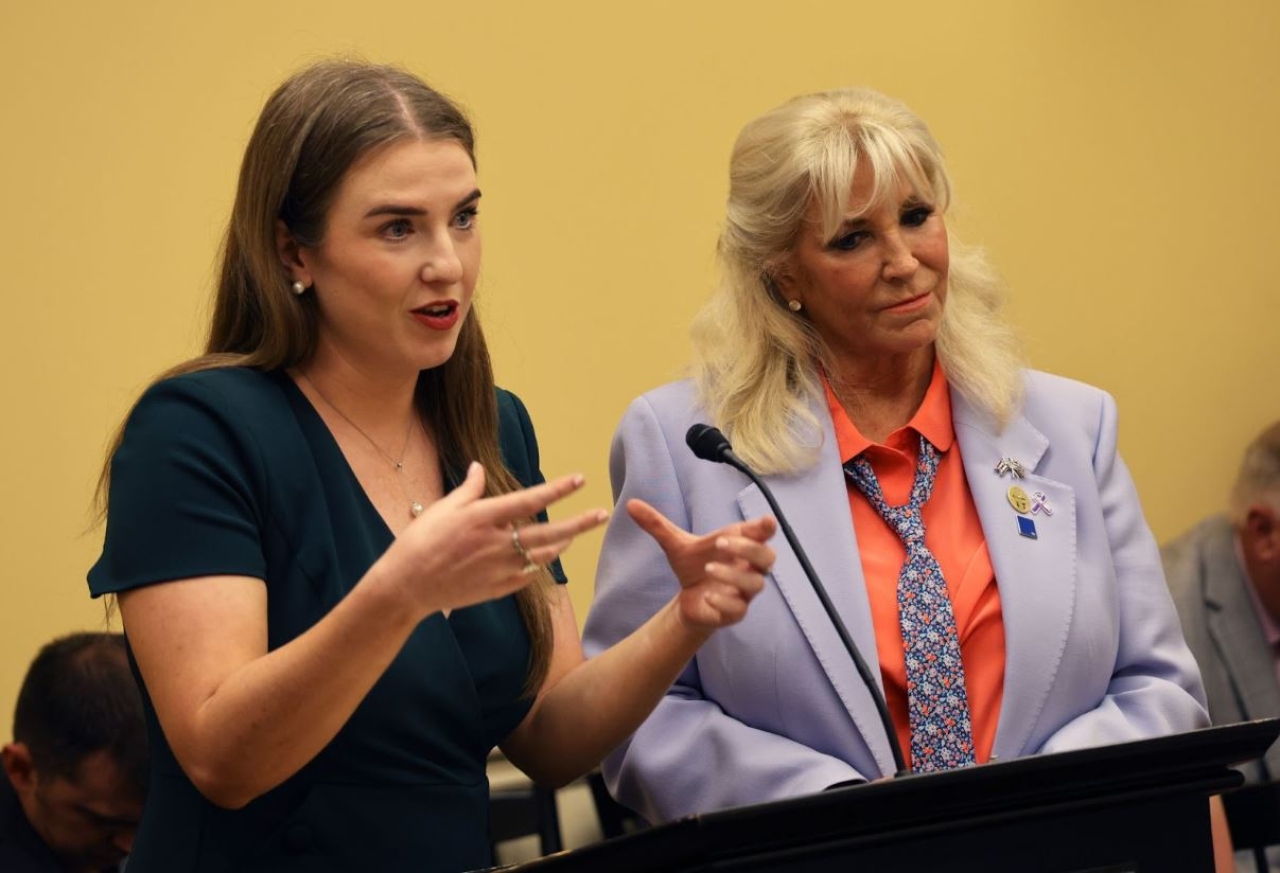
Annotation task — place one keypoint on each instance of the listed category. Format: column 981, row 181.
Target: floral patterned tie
column 937, row 702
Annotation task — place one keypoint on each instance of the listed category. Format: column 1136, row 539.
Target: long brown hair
column 312, row 130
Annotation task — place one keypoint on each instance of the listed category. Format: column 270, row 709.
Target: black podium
column 1253, row 813
column 1140, row 806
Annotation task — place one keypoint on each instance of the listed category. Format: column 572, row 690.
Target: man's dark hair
column 78, row 698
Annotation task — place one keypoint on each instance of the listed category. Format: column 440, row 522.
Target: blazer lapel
column 1035, row 576
column 816, row 504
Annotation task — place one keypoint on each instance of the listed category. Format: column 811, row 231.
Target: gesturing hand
column 461, row 551
column 719, row 572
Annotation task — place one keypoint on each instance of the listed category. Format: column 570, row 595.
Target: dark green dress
column 233, row 472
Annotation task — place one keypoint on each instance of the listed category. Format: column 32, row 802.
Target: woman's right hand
column 461, row 551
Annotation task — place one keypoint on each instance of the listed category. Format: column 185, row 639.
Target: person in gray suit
column 1225, row 577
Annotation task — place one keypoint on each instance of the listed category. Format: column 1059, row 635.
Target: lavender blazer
column 772, row 707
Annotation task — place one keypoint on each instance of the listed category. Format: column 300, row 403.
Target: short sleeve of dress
column 187, row 490
column 520, row 450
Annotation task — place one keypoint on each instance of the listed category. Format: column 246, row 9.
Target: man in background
column 1224, row 574
column 1225, row 578
column 76, row 770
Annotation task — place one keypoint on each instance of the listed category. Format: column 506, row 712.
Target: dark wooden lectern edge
column 1122, row 772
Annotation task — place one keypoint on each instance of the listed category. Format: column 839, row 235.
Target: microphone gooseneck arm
column 710, row 445
column 863, row 670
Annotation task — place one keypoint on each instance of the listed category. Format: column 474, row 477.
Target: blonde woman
column 973, row 524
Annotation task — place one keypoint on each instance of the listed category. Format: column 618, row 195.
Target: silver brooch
column 1009, row 465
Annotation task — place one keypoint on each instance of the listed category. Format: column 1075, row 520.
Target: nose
column 442, row 266
column 899, row 260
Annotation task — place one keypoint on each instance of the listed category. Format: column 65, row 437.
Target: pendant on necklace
column 415, row 509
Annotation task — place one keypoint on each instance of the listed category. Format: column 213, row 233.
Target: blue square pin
column 1027, row 527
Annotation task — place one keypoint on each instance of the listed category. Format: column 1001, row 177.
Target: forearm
column 241, row 730
column 602, row 700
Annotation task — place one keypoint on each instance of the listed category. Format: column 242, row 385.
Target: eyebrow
column 857, row 223
column 400, row 209
column 860, row 223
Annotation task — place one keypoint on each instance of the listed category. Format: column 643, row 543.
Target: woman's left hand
column 719, row 572
column 591, row 705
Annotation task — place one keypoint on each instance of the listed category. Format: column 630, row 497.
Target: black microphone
column 709, row 444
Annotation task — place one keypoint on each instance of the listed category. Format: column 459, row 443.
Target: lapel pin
column 1009, row 465
column 1019, row 500
column 1040, row 503
column 1027, row 527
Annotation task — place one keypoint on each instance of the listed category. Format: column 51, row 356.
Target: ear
column 290, row 254
column 782, row 275
column 16, row 758
column 1262, row 531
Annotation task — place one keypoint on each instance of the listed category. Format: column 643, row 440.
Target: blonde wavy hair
column 755, row 362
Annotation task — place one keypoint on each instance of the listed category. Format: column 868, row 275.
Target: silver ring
column 521, row 550
column 530, row 566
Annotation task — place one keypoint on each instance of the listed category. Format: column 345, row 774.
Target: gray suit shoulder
column 1189, row 546
column 1184, row 556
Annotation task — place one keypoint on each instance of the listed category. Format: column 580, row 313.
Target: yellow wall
column 1118, row 159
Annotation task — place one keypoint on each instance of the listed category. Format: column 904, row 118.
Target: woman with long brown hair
column 328, row 537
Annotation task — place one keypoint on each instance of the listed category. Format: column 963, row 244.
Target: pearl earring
column 298, row 289
column 795, row 305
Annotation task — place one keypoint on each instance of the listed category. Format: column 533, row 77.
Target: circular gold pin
column 1019, row 500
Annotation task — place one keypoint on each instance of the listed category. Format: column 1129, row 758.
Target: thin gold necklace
column 415, row 508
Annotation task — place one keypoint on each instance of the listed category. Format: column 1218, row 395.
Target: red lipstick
column 437, row 316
